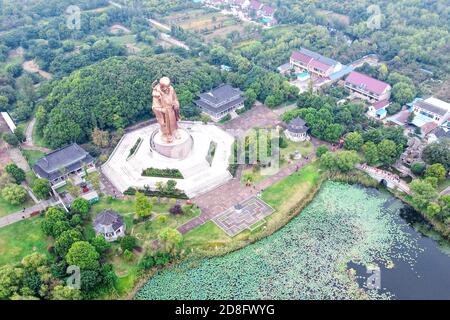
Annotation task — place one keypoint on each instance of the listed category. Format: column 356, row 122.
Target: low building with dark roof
column 110, row 225
column 60, row 164
column 220, row 101
column 297, row 130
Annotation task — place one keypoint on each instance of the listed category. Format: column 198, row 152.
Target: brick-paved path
column 107, row 187
column 220, row 199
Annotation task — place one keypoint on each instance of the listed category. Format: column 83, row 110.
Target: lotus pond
column 326, row 252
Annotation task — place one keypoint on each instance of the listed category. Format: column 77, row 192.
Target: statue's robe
column 167, row 111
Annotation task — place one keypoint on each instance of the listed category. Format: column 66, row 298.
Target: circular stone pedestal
column 178, row 149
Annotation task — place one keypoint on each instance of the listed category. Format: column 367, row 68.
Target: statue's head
column 164, row 84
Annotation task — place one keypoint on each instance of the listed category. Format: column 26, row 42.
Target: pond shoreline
column 288, row 215
column 355, row 178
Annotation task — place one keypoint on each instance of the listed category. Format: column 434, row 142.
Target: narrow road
column 25, row 214
column 159, row 24
column 28, row 144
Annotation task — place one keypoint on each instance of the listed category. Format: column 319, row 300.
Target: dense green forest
column 412, row 35
column 116, row 93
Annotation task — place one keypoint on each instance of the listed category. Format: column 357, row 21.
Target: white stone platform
column 199, row 175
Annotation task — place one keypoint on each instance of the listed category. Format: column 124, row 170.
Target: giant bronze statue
column 166, row 109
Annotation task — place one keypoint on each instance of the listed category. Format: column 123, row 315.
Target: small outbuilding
column 110, row 225
column 297, row 130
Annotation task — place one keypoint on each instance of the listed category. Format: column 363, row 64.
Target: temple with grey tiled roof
column 110, row 225
column 220, row 101
column 297, row 130
column 58, row 165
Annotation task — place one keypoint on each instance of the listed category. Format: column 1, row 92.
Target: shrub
column 17, row 173
column 321, row 150
column 11, row 139
column 162, row 173
column 176, row 210
column 14, row 194
column 80, row 206
column 128, row 255
column 418, row 168
column 147, row 262
column 128, row 243
column 162, row 258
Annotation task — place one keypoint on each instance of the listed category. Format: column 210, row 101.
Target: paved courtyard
column 259, row 116
column 235, row 220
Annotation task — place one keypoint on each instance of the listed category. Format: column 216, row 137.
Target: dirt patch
column 443, row 93
column 19, row 52
column 118, row 28
column 32, row 67
column 4, row 157
column 222, row 32
column 132, row 48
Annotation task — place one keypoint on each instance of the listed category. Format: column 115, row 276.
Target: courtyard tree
column 83, row 255
column 370, row 153
column 353, row 141
column 142, row 205
column 41, row 188
column 403, row 93
column 423, row 193
column 17, row 173
column 171, row 239
column 100, row 244
column 14, row 194
column 387, row 152
column 65, row 241
column 5, row 179
column 10, row 139
column 438, row 152
column 321, row 150
column 171, row 186
column 418, row 168
column 437, row 171
column 128, row 243
column 80, row 206
column 340, row 161
column 55, row 222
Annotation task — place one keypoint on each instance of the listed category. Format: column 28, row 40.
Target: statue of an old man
column 166, row 109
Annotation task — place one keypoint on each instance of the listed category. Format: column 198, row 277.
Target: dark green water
column 345, row 228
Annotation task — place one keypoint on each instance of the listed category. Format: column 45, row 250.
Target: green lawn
column 32, row 156
column 7, row 208
column 287, row 190
column 207, row 234
column 282, row 196
column 145, row 232
column 305, row 148
column 21, row 239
